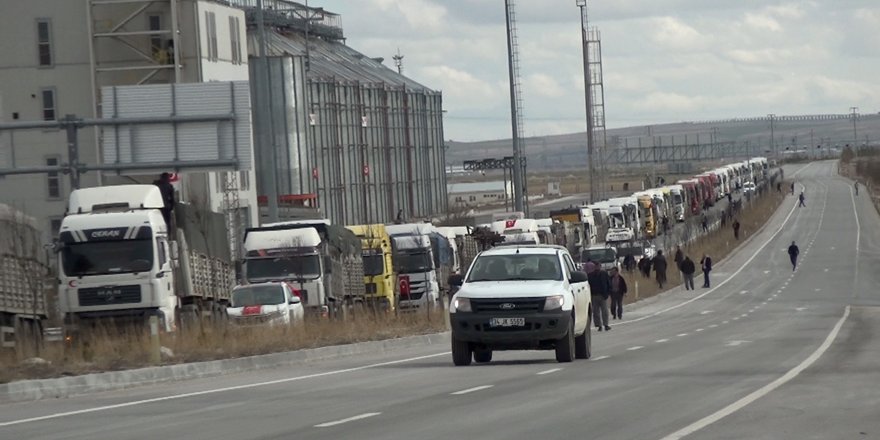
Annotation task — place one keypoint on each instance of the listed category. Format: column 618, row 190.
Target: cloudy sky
column 664, row 60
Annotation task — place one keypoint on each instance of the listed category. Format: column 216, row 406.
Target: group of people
column 605, row 285
column 687, row 268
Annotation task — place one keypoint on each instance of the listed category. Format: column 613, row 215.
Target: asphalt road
column 766, row 353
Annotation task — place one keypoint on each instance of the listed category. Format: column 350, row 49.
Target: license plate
column 507, row 322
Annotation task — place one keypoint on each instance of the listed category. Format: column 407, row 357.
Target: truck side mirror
column 456, row 280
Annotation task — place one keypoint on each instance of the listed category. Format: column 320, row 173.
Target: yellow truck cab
column 379, row 279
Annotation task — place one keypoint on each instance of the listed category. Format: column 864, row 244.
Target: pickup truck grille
column 102, row 296
column 507, row 305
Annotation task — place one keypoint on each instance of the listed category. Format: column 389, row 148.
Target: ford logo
column 507, row 306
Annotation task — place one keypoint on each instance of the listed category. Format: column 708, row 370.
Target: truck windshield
column 258, row 296
column 676, row 198
column 516, row 267
column 605, row 255
column 413, row 262
column 298, row 267
column 616, row 220
column 374, row 264
column 107, row 257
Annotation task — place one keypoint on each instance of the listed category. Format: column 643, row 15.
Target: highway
column 766, row 353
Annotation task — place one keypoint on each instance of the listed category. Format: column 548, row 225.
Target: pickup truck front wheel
column 461, row 353
column 582, row 345
column 565, row 347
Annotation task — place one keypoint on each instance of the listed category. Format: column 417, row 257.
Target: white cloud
column 420, row 15
column 544, row 85
column 762, row 21
column 674, row 33
column 460, row 88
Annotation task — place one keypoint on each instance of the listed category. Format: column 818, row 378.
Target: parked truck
column 422, row 259
column 379, row 278
column 23, row 281
column 322, row 261
column 121, row 263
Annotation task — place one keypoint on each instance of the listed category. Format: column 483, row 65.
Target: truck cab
column 379, row 280
column 422, row 260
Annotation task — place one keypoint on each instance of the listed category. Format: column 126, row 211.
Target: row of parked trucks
column 118, row 260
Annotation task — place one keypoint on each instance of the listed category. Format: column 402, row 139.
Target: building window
column 53, row 180
column 44, row 42
column 48, row 98
column 54, row 225
column 472, row 198
column 235, row 39
column 211, row 28
column 155, row 24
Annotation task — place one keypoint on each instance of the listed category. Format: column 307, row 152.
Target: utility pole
column 582, row 5
column 855, row 115
column 518, row 196
column 772, row 116
column 398, row 61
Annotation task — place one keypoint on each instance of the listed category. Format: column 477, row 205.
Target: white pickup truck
column 521, row 298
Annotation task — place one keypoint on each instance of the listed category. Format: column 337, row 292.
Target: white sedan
column 274, row 303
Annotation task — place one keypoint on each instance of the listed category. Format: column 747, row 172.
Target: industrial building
column 345, row 133
column 348, row 135
column 473, row 194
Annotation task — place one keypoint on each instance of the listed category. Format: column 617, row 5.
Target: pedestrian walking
column 801, row 200
column 687, row 270
column 629, row 263
column 779, row 187
column 792, row 188
column 705, row 223
column 589, row 266
column 665, row 224
column 618, row 290
column 729, row 198
column 736, row 226
column 659, row 264
column 600, row 289
column 645, row 267
column 856, row 185
column 793, row 253
column 679, row 257
column 706, row 263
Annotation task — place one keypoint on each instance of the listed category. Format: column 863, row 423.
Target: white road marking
column 705, row 312
column 350, row 419
column 736, row 343
column 736, row 318
column 726, row 322
column 766, row 272
column 858, row 235
column 763, row 391
column 723, row 282
column 826, row 269
column 699, row 330
column 800, row 309
column 552, row 370
column 681, row 335
column 713, row 326
column 744, row 315
column 818, row 289
column 662, row 340
column 471, row 390
column 743, row 292
column 215, row 390
column 637, row 347
column 600, row 358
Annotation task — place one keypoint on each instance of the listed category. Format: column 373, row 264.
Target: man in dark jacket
column 687, row 271
column 793, row 252
column 706, row 262
column 167, row 190
column 645, row 267
column 736, row 226
column 618, row 290
column 600, row 289
column 659, row 264
column 679, row 257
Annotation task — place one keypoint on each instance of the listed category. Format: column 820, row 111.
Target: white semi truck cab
column 422, row 261
column 119, row 261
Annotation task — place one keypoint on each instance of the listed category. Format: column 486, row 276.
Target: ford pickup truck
column 521, row 298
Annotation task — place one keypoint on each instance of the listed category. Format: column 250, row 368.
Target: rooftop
column 471, row 187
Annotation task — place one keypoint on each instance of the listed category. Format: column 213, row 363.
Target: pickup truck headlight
column 554, row 302
column 461, row 305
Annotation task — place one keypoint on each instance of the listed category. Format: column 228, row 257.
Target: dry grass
column 113, row 349
column 718, row 244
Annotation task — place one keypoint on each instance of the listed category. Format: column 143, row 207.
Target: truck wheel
column 482, row 356
column 565, row 346
column 461, row 353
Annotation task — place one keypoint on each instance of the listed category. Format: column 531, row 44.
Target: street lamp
column 772, row 134
column 582, row 4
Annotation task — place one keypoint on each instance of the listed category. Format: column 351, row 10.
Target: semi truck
column 24, row 273
column 324, row 262
column 121, row 263
column 422, row 259
column 379, row 278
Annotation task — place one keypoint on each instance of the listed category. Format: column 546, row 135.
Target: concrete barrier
column 28, row 390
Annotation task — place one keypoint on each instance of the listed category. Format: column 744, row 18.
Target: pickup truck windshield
column 605, row 255
column 413, row 262
column 284, row 268
column 258, row 296
column 516, row 267
column 107, row 257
